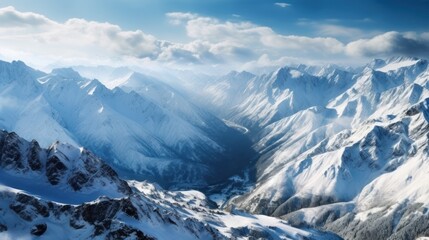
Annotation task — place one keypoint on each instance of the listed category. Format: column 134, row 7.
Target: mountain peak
column 396, row 59
column 243, row 75
column 68, row 73
column 376, row 63
column 395, row 63
column 18, row 71
column 19, row 63
column 288, row 72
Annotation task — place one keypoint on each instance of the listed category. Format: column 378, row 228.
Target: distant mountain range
column 151, row 132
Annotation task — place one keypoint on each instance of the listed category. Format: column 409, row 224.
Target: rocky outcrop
column 84, row 171
column 39, row 229
column 126, row 232
column 10, row 151
column 55, row 170
column 105, row 216
column 55, row 184
column 28, row 207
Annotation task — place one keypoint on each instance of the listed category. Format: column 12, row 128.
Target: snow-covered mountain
column 341, row 149
column 67, row 191
column 154, row 135
column 335, row 148
column 257, row 101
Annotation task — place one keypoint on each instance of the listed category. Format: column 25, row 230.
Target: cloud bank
column 211, row 42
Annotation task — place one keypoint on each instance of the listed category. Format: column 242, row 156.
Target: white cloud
column 177, row 18
column 30, row 34
column 282, row 4
column 109, row 37
column 37, row 39
column 389, row 44
column 10, row 18
column 212, row 41
column 257, row 38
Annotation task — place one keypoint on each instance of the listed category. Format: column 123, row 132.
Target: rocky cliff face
column 61, row 164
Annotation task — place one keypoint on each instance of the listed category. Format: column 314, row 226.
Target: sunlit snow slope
column 341, row 149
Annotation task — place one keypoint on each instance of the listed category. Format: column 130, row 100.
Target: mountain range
column 342, row 150
column 150, row 133
column 338, row 149
column 69, row 192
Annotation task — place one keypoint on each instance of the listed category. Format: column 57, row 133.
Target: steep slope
column 144, row 137
column 23, row 107
column 340, row 149
column 394, row 204
column 168, row 98
column 340, row 159
column 257, row 101
column 132, row 131
column 73, row 202
column 60, row 173
column 111, row 77
column 226, row 92
column 237, row 152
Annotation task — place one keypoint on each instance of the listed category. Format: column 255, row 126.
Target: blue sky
column 271, row 32
column 149, row 15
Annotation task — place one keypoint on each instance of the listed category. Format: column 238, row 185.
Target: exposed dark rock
column 28, row 207
column 39, row 229
column 55, row 169
column 78, row 180
column 33, row 156
column 10, row 154
column 98, row 212
column 38, row 206
column 129, row 209
column 75, row 224
column 251, row 234
column 19, row 209
column 75, row 220
column 3, row 228
column 108, row 171
column 413, row 110
column 16, row 156
column 127, row 232
column 102, row 227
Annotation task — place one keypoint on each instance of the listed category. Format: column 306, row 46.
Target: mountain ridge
column 132, row 210
column 139, row 134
